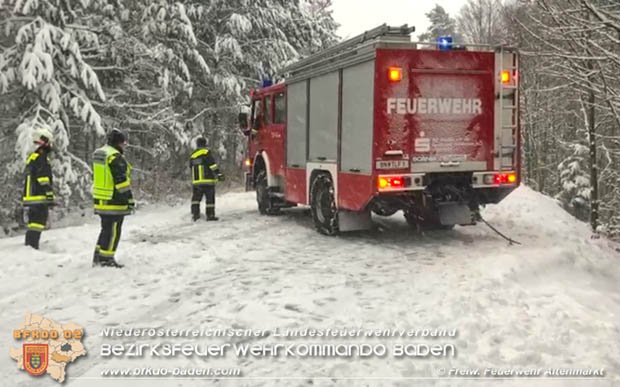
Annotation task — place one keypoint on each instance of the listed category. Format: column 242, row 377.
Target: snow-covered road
column 552, row 302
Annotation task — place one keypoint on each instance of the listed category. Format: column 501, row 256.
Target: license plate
column 393, row 164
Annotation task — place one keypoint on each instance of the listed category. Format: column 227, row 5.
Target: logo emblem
column 36, row 358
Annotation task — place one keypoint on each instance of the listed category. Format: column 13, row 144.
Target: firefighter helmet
column 201, row 142
column 116, row 137
column 43, row 136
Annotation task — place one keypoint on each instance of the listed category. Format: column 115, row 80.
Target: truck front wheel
column 265, row 204
column 323, row 205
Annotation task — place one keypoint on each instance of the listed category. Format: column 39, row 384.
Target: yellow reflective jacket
column 111, row 182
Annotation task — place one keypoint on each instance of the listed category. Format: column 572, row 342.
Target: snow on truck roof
column 364, row 47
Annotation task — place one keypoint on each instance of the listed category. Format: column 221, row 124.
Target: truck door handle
column 450, row 164
column 295, row 165
column 354, row 170
column 322, row 158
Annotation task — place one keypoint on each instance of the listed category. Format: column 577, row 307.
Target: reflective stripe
column 213, row 167
column 35, row 198
column 210, row 206
column 199, row 153
column 32, row 157
column 124, row 184
column 113, row 207
column 43, row 180
column 114, row 235
column 195, row 202
column 107, row 253
column 36, row 226
column 204, row 181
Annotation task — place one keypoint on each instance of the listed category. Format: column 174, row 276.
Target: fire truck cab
column 378, row 124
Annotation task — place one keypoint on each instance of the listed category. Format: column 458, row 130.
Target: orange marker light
column 248, row 162
column 383, row 182
column 512, row 178
column 505, row 77
column 395, row 74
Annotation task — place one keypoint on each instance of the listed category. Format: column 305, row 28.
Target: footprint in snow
column 294, row 308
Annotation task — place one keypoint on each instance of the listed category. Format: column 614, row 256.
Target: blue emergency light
column 444, row 43
column 267, row 82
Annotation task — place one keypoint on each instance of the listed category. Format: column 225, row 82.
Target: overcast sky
column 357, row 16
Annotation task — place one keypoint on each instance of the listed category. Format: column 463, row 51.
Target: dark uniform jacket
column 204, row 169
column 38, row 180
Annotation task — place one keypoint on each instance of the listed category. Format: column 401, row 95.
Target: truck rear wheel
column 265, row 204
column 323, row 205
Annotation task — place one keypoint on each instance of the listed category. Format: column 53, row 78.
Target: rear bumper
column 419, row 182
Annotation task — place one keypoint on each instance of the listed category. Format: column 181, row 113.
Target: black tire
column 265, row 205
column 425, row 224
column 384, row 212
column 323, row 205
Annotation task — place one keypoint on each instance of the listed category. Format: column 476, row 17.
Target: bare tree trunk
column 594, row 202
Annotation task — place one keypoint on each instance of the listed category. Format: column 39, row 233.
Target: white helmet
column 42, row 137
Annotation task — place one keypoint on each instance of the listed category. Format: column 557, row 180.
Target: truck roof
column 364, row 47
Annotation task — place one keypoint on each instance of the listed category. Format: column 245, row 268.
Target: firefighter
column 112, row 196
column 205, row 174
column 38, row 192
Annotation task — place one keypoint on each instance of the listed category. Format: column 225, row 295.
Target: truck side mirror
column 243, row 121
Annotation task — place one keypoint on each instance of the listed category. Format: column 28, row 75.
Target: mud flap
column 454, row 213
column 354, row 221
column 249, row 184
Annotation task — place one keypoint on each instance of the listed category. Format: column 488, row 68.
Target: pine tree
column 575, row 186
column 44, row 60
column 442, row 24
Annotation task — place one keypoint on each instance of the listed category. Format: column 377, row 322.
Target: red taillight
column 505, row 178
column 505, row 76
column 395, row 74
column 390, row 182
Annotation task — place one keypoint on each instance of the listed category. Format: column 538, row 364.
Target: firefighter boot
column 32, row 239
column 195, row 211
column 96, row 258
column 211, row 214
column 99, row 260
column 108, row 262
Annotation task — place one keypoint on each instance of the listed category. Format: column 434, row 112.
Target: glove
column 50, row 197
column 221, row 177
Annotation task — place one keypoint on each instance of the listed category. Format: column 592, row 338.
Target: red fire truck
column 378, row 124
